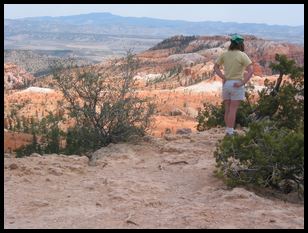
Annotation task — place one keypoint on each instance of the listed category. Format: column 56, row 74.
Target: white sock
column 229, row 130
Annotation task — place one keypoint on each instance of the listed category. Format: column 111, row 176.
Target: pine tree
column 283, row 66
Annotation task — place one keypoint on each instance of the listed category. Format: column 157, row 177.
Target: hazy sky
column 283, row 14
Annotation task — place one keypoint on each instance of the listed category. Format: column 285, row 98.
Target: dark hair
column 235, row 46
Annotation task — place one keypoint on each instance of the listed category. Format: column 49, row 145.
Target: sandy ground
column 157, row 183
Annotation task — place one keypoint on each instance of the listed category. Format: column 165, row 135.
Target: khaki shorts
column 232, row 93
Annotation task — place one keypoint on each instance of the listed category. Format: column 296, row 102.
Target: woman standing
column 235, row 62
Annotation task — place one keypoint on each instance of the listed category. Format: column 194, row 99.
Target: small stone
column 176, row 112
column 90, row 185
column 272, row 220
column 8, row 155
column 183, row 131
column 147, row 138
column 13, row 166
column 170, row 137
column 105, row 181
column 35, row 155
column 84, row 159
column 238, row 126
column 55, row 171
column 26, row 180
column 54, row 154
column 167, row 131
column 40, row 203
column 92, row 159
column 98, row 204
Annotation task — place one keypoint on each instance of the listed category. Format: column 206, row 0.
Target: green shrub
column 265, row 156
column 286, row 107
column 50, row 134
column 29, row 149
column 109, row 108
column 212, row 116
column 80, row 139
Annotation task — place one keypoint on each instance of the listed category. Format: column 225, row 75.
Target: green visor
column 237, row 39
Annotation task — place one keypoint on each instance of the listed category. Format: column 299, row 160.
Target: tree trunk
column 277, row 86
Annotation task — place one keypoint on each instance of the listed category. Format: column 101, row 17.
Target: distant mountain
column 96, row 26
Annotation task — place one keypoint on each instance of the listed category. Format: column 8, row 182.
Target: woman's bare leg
column 234, row 104
column 227, row 108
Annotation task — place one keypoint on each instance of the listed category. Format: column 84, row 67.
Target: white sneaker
column 229, row 130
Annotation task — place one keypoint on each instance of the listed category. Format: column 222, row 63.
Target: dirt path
column 156, row 184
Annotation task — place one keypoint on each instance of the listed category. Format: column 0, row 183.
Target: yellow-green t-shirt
column 235, row 63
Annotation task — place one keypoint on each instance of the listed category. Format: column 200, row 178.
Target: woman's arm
column 249, row 74
column 219, row 73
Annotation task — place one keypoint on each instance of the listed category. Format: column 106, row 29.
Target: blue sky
column 281, row 14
